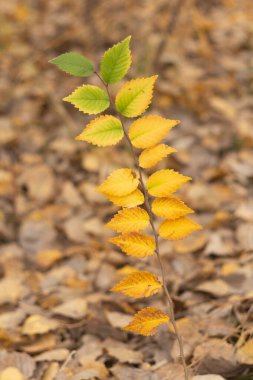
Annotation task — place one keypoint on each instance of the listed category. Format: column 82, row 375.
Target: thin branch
column 170, row 305
column 157, row 251
column 69, row 357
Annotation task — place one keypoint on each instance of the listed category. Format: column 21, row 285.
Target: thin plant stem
column 170, row 305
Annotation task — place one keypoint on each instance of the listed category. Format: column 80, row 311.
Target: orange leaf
column 147, row 321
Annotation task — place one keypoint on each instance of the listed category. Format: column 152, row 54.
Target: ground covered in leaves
column 58, row 319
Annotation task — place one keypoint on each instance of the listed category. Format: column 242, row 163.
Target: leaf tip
column 107, row 225
column 79, row 138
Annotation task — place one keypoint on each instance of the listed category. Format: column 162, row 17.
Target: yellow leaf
column 150, row 130
column 135, row 244
column 129, row 220
column 133, row 199
column 105, row 130
column 170, row 208
column 178, row 228
column 147, row 321
column 119, row 183
column 151, row 156
column 138, row 284
column 165, row 182
column 135, row 96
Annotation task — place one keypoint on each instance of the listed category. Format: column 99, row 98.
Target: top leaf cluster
column 132, row 99
column 114, row 64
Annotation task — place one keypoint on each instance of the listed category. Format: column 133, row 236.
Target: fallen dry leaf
column 123, row 372
column 11, row 290
column 244, row 235
column 121, row 352
column 90, row 350
column 245, row 353
column 23, row 362
column 38, row 324
column 217, row 288
column 217, row 357
column 51, row 371
column 6, row 183
column 46, row 259
column 42, row 343
column 220, row 246
column 189, row 331
column 245, row 211
column 92, row 369
column 12, row 319
column 76, row 308
column 59, row 355
column 11, row 373
column 117, row 319
column 71, row 195
column 74, row 230
column 37, row 235
column 193, row 243
column 39, row 182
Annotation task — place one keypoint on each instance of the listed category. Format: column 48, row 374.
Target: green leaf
column 89, row 99
column 116, row 62
column 74, row 64
column 135, row 96
column 105, row 130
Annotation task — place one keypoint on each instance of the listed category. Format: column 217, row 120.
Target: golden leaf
column 119, row 183
column 147, row 321
column 178, row 228
column 138, row 284
column 135, row 244
column 129, row 220
column 133, row 199
column 151, row 156
column 165, row 182
column 170, row 208
column 150, row 130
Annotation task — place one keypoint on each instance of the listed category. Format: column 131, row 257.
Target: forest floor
column 58, row 318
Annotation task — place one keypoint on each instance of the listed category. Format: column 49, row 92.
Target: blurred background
column 58, row 319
